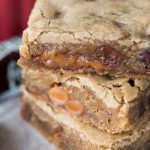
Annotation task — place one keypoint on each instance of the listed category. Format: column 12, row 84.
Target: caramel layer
column 56, row 60
column 101, row 58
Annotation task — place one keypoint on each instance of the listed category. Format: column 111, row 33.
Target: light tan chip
column 58, row 95
column 74, row 107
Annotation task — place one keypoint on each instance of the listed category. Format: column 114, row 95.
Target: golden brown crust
column 83, row 20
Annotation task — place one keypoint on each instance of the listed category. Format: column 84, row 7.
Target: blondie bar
column 94, row 36
column 112, row 104
column 69, row 134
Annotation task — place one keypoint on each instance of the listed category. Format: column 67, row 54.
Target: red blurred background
column 13, row 20
column 13, row 17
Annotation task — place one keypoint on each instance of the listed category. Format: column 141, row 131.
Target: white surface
column 16, row 134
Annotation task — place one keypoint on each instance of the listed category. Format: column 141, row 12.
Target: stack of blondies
column 86, row 73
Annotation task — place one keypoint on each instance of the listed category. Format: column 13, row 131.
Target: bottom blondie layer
column 69, row 134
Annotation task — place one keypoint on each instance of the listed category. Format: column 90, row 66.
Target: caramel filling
column 65, row 61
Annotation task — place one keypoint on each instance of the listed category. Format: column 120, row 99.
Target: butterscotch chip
column 58, row 95
column 74, row 107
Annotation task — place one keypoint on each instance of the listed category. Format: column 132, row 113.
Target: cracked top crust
column 89, row 20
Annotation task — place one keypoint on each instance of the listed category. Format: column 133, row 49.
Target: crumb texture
column 96, row 19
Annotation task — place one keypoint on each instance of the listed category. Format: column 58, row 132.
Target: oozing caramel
column 65, row 61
